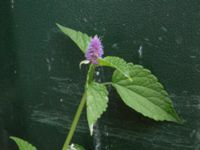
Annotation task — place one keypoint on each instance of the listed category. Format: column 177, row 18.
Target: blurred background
column 41, row 83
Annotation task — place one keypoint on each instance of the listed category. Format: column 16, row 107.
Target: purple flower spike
column 95, row 50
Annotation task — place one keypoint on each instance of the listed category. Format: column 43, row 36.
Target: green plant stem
column 90, row 77
column 75, row 122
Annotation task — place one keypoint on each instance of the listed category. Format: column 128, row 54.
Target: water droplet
column 48, row 64
column 107, row 133
column 179, row 40
column 140, row 51
column 160, row 38
column 164, row 29
column 97, row 73
column 47, row 60
column 198, row 134
column 85, row 20
column 192, row 133
column 12, row 3
column 197, row 67
column 193, row 56
column 115, row 46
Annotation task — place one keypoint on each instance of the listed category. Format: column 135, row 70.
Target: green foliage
column 138, row 88
column 117, row 63
column 97, row 99
column 144, row 94
column 81, row 39
column 22, row 144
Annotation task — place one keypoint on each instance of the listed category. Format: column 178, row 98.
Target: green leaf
column 97, row 99
column 22, row 144
column 117, row 63
column 76, row 147
column 145, row 94
column 81, row 39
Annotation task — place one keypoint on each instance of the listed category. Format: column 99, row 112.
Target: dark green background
column 41, row 84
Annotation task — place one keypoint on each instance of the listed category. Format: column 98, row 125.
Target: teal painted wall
column 41, row 84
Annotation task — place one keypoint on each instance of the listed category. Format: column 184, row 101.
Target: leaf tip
column 22, row 144
column 179, row 120
column 12, row 137
column 91, row 129
column 85, row 62
column 58, row 25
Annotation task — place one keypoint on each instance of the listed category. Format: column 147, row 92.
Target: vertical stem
column 75, row 122
column 90, row 76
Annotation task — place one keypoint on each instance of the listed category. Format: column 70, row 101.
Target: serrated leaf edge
column 91, row 127
column 163, row 92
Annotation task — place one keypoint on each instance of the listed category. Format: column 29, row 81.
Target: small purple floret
column 95, row 50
